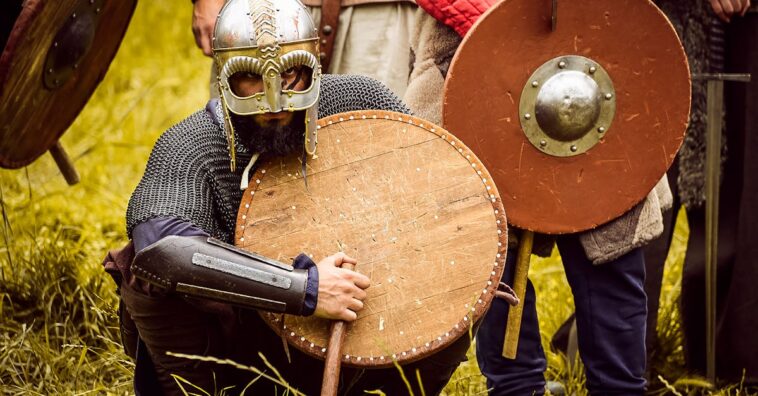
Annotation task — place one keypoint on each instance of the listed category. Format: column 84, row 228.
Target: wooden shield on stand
column 412, row 204
column 55, row 56
column 577, row 120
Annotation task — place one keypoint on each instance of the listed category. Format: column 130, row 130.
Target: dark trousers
column 171, row 323
column 610, row 312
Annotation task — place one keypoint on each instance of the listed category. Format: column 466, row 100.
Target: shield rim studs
column 594, row 133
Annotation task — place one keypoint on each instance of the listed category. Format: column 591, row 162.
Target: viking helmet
column 267, row 38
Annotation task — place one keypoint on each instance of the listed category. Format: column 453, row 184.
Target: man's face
column 275, row 133
column 245, row 84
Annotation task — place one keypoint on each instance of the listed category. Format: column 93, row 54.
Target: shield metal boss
column 412, row 204
column 576, row 124
column 56, row 54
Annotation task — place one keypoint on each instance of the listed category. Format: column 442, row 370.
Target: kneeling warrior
column 188, row 291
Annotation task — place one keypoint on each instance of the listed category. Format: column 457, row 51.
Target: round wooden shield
column 56, row 54
column 412, row 204
column 620, row 53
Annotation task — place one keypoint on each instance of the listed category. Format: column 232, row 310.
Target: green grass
column 58, row 325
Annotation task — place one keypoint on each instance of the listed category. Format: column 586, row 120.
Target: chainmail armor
column 188, row 175
column 701, row 34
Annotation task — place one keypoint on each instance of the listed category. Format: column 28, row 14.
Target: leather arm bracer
column 207, row 268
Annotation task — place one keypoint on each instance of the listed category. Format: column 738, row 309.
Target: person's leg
column 736, row 345
column 655, row 259
column 253, row 336
column 692, row 300
column 525, row 374
column 611, row 311
column 171, row 324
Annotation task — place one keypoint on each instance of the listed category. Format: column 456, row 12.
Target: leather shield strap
column 327, row 30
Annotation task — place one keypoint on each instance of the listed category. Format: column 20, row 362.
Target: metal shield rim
column 521, row 217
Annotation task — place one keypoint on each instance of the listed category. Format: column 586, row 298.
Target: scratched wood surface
column 34, row 117
column 412, row 205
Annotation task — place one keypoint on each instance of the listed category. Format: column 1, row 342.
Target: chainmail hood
column 188, row 175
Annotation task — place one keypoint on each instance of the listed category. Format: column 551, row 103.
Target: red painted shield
column 638, row 48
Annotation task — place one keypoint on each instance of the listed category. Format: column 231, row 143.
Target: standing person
column 191, row 191
column 604, row 266
column 719, row 36
column 700, row 25
column 367, row 37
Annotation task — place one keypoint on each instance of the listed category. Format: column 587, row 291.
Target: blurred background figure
column 719, row 36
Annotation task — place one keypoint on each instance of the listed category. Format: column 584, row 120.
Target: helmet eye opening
column 245, row 84
column 297, row 79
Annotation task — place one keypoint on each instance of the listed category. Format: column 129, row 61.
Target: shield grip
column 207, row 268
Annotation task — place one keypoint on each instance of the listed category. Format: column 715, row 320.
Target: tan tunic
column 373, row 40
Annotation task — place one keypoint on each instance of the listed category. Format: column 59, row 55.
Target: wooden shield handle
column 332, row 363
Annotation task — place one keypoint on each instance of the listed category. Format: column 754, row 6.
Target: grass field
column 58, row 329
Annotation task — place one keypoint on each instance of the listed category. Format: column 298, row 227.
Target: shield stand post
column 715, row 103
column 64, row 163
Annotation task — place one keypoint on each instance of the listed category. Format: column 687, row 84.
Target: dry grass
column 58, row 326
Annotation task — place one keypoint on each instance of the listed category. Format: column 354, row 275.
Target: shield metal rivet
column 608, row 96
column 601, row 129
column 527, row 116
column 573, row 149
column 535, row 84
column 561, row 64
column 543, row 143
column 593, row 69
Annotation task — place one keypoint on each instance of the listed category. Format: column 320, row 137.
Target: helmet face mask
column 267, row 42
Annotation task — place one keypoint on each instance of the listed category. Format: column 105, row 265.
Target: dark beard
column 277, row 140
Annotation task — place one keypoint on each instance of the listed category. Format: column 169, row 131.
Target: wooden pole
column 332, row 363
column 64, row 164
column 513, row 327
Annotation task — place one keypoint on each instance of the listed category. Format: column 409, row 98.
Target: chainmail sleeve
column 179, row 179
column 346, row 92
